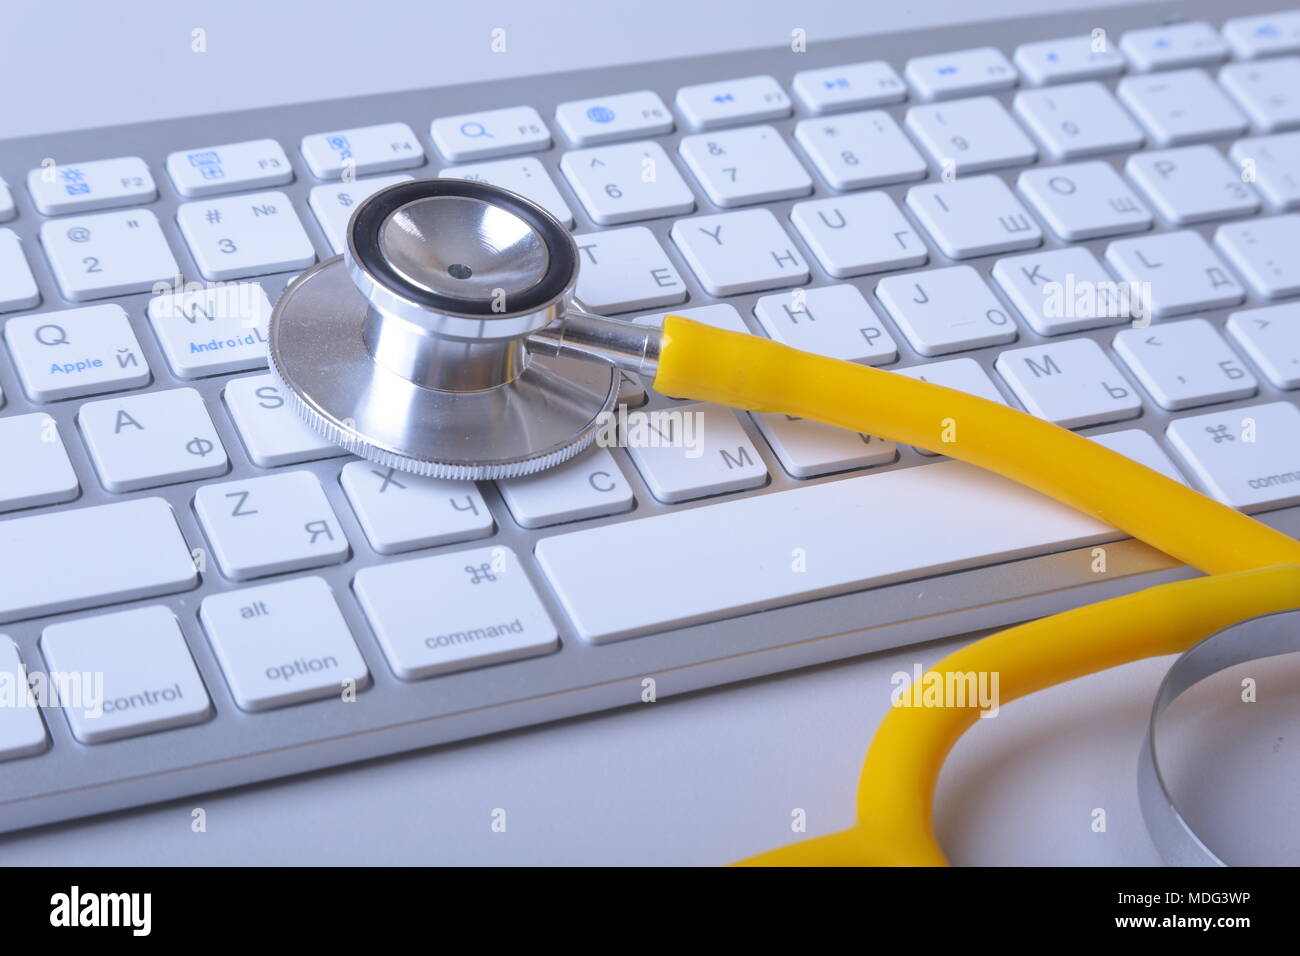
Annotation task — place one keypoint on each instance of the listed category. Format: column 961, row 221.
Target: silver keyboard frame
column 234, row 747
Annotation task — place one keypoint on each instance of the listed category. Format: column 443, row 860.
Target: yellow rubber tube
column 896, row 789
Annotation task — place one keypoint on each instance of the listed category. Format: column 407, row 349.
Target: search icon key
column 516, row 129
column 474, row 129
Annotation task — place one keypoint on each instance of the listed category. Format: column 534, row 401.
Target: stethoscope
column 446, row 341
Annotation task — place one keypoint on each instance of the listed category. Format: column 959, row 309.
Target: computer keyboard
column 244, row 600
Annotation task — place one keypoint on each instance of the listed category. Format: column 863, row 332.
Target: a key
column 246, row 235
column 150, row 682
column 1064, row 290
column 835, row 320
column 1184, row 106
column 973, row 217
column 1191, row 184
column 693, row 451
column 946, row 310
column 860, row 149
column 269, row 525
column 961, row 73
column 737, row 252
column 22, row 733
column 1264, row 251
column 525, row 176
column 69, row 559
column 1270, row 337
column 36, row 467
column 333, row 204
column 143, row 441
column 348, row 153
column 808, row 449
column 17, row 285
column 271, row 431
column 970, row 136
column 855, row 235
column 214, row 330
column 1067, row 60
column 283, row 643
column 1070, row 382
column 1184, row 273
column 210, row 170
column 590, row 485
column 491, row 133
column 7, row 208
column 1272, row 163
column 1265, row 35
column 608, row 119
column 1185, row 364
column 849, row 87
column 111, row 253
column 742, row 166
column 83, row 187
column 1269, row 92
column 1084, row 201
column 1078, row 120
column 75, row 352
column 962, row 374
column 749, row 99
column 626, row 183
column 1177, row 44
column 1245, row 457
column 626, row 269
column 1142, row 448
column 401, row 512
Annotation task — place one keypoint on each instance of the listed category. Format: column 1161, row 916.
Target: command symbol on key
column 481, row 573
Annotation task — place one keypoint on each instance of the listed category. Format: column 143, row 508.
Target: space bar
column 721, row 560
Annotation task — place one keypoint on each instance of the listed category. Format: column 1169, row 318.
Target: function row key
column 83, row 187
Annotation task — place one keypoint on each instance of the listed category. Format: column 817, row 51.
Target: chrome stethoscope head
column 446, row 340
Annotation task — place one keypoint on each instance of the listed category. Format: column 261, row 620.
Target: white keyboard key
column 210, row 331
column 1067, row 60
column 855, row 235
column 247, row 235
column 1064, row 290
column 1178, row 44
column 1191, row 184
column 808, row 449
column 69, row 559
column 1245, row 457
column 1268, row 91
column 745, row 100
column 1271, row 338
column 112, row 253
column 946, row 310
column 1264, row 251
column 970, row 136
column 737, row 252
column 1070, row 382
column 742, row 166
column 401, row 512
column 261, row 526
column 221, row 169
column 626, row 269
column 76, row 352
column 1084, row 200
column 1184, row 364
column 607, row 119
column 150, row 682
column 7, row 208
column 973, row 217
column 17, row 285
column 961, row 73
column 503, row 132
column 36, row 467
column 963, row 374
column 860, row 149
column 834, row 320
column 525, row 176
column 619, row 184
column 82, row 187
column 693, row 451
column 849, row 87
column 590, row 485
column 718, row 316
column 1264, row 35
column 1142, row 448
column 144, row 441
column 348, row 153
column 1272, row 163
column 1184, row 272
column 22, row 732
column 1181, row 107
column 283, row 643
column 271, row 430
column 332, row 205
column 1078, row 120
